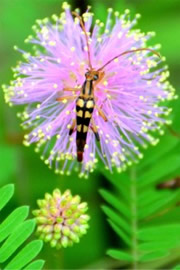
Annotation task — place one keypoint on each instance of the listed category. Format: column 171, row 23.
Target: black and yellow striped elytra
column 84, row 108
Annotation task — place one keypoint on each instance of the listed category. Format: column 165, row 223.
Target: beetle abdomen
column 84, row 110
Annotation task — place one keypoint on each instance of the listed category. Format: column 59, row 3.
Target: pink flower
column 130, row 93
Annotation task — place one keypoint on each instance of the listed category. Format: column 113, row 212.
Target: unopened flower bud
column 61, row 219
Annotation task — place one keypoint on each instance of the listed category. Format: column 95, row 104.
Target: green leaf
column 12, row 221
column 142, row 200
column 120, row 255
column 19, row 235
column 116, row 203
column 6, row 193
column 120, row 232
column 120, row 181
column 16, row 230
column 154, row 255
column 159, row 170
column 166, row 144
column 157, row 245
column 117, row 219
column 25, row 255
column 163, row 232
column 156, row 205
column 36, row 265
column 151, row 195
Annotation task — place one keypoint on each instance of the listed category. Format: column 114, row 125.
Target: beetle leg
column 94, row 129
column 65, row 98
column 101, row 113
column 72, row 127
column 72, row 89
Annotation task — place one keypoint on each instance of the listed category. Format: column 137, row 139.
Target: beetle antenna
column 86, row 36
column 126, row 52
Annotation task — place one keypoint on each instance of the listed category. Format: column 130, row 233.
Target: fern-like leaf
column 27, row 254
column 14, row 231
column 38, row 264
column 120, row 255
column 6, row 193
column 13, row 221
column 136, row 207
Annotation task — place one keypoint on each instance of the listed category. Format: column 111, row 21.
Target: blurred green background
column 22, row 165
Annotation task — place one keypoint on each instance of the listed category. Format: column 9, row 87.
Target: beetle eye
column 86, row 74
column 95, row 77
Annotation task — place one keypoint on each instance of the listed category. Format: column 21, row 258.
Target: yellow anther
column 55, row 86
column 52, row 43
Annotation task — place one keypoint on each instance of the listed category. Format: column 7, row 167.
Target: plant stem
column 133, row 190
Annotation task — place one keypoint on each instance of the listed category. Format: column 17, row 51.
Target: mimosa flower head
column 128, row 97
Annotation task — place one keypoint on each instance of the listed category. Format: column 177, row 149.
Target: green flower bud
column 73, row 207
column 57, row 228
column 48, row 237
column 44, row 212
column 61, row 219
column 82, row 221
column 53, row 210
column 70, row 221
column 53, row 243
column 76, row 215
column 68, row 213
column 41, row 220
column 85, row 217
column 41, row 203
column 50, row 221
column 66, row 231
column 63, row 202
column 64, row 241
column 57, row 236
column 74, row 237
column 36, row 212
column 83, row 229
column 48, row 196
column 76, row 199
column 56, row 193
column 82, row 205
column 47, row 229
column 75, row 228
column 40, row 228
